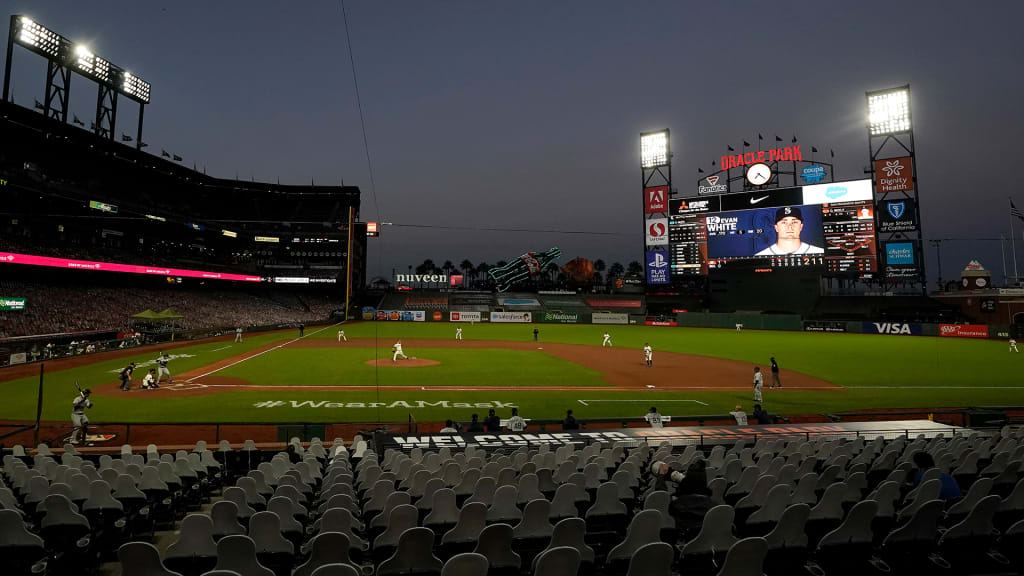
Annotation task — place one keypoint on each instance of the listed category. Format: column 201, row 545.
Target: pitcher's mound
column 410, row 363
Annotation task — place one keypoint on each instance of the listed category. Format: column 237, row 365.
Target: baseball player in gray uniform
column 161, row 363
column 78, row 418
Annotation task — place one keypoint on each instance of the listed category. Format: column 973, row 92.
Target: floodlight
column 654, row 149
column 889, row 111
column 91, row 64
column 39, row 37
column 135, row 87
column 229, row 233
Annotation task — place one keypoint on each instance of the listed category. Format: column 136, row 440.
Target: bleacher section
column 425, row 301
column 775, row 507
column 519, row 302
column 471, row 302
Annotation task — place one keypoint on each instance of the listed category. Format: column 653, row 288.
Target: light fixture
column 38, row 37
column 654, row 150
column 135, row 87
column 889, row 111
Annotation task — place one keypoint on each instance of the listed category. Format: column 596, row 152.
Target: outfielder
column 607, row 340
column 341, row 336
column 1013, row 345
column 238, row 334
column 78, row 418
column 161, row 363
column 458, row 333
column 648, row 354
column 397, row 349
column 758, row 383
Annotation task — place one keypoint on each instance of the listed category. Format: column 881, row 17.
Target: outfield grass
column 877, row 371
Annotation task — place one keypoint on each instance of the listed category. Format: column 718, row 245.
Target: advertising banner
column 896, row 328
column 657, row 267
column 837, row 192
column 609, row 318
column 12, row 303
column 656, row 199
column 412, row 316
column 813, row 173
column 656, row 322
column 894, row 175
column 523, row 317
column 530, row 302
column 901, row 259
column 964, row 330
column 602, row 303
column 824, row 326
column 464, row 317
column 657, row 232
column 19, row 358
column 369, row 313
column 712, row 185
column 559, row 317
column 897, row 216
column 686, row 206
column 11, row 258
column 763, row 199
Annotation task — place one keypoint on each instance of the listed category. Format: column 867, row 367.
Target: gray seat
column 195, row 549
column 472, row 520
column 715, row 532
column 561, row 561
column 644, row 529
column 856, row 527
column 414, row 554
column 465, row 564
column 654, row 559
column 660, row 500
column 325, row 548
column 443, row 510
column 771, row 510
column 503, row 507
column 141, row 559
column 535, row 522
column 237, row 496
column 335, row 570
column 402, row 518
column 789, row 531
column 563, row 505
column 237, row 553
column 224, row 516
column 745, row 558
column 496, row 544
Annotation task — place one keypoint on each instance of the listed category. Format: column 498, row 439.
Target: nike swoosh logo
column 756, row 200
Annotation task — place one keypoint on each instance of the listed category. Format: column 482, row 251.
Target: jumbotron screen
column 828, row 226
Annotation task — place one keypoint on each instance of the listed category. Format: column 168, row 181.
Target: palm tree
column 599, row 265
column 616, row 270
column 481, row 270
column 635, row 269
column 427, row 267
column 448, row 267
column 467, row 268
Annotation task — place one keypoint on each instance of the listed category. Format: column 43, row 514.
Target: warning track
column 622, row 368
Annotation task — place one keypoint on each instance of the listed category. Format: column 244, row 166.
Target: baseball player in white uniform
column 607, row 340
column 397, row 348
column 78, row 417
column 758, row 383
column 238, row 334
column 149, row 381
column 1013, row 345
column 341, row 336
column 654, row 418
column 648, row 354
column 458, row 333
column 161, row 363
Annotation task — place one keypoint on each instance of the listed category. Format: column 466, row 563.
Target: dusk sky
column 527, row 114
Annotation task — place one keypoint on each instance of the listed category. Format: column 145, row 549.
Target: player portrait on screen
column 789, row 223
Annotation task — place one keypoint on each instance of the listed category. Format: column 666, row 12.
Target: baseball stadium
column 207, row 375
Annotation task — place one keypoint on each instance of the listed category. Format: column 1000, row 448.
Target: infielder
column 161, row 362
column 648, row 354
column 341, row 336
column 238, row 334
column 78, row 417
column 758, row 383
column 458, row 333
column 775, row 374
column 1013, row 345
column 607, row 340
column 739, row 327
column 397, row 349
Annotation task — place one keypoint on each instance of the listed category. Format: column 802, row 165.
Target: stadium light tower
column 656, row 182
column 894, row 174
column 64, row 57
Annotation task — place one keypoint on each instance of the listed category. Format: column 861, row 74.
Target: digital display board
column 12, row 258
column 828, row 226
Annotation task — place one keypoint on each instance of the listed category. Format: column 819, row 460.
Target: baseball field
column 278, row 377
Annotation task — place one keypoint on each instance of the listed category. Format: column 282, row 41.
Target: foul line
column 221, row 348
column 934, row 387
column 262, row 353
column 584, row 402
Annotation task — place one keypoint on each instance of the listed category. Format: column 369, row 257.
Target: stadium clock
column 759, row 174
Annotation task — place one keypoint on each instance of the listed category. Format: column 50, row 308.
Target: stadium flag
column 39, row 105
column 814, row 150
column 731, row 149
column 77, row 121
column 700, row 170
column 1014, row 211
column 746, row 144
column 777, row 139
column 759, row 137
column 794, row 138
column 164, row 153
column 831, row 153
column 126, row 138
column 177, row 158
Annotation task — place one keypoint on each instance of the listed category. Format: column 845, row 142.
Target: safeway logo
column 657, row 200
column 657, row 232
column 657, row 229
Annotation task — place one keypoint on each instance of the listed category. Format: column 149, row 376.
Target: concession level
column 834, row 230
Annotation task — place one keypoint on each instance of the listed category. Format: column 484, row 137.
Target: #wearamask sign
column 656, row 199
column 657, row 232
column 894, row 175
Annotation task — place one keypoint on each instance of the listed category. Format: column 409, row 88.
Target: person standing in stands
column 570, row 422
column 654, row 418
column 449, row 428
column 492, row 423
column 775, row 374
column 474, row 425
column 760, row 415
column 516, row 422
column 739, row 415
column 126, row 377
